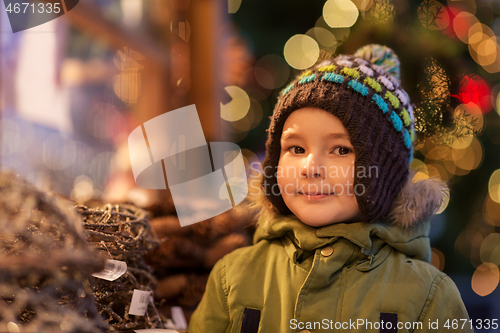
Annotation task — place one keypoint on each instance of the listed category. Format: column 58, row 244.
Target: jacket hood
column 370, row 237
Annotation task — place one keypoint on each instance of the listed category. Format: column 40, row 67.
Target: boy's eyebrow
column 289, row 135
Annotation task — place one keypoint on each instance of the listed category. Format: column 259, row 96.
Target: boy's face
column 316, row 168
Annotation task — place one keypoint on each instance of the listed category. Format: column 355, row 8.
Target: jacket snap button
column 327, row 251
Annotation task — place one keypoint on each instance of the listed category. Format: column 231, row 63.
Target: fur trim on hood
column 417, row 202
column 413, row 206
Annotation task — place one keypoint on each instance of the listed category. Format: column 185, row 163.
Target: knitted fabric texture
column 364, row 92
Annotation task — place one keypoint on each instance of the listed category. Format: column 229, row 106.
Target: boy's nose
column 312, row 168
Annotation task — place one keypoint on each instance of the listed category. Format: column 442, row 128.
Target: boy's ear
column 418, row 201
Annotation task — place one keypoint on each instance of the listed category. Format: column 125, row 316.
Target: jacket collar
column 369, row 237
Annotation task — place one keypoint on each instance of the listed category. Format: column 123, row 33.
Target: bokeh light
column 127, row 84
column 462, row 22
column 339, row 33
column 444, row 204
column 363, row 5
column 417, row 164
column 301, row 51
column 485, row 279
column 433, row 15
column 462, row 142
column 233, row 6
column 437, row 259
column 498, row 104
column 382, row 12
column 83, row 189
column 473, row 112
column 469, row 158
column 239, row 105
column 340, row 13
column 490, row 249
column 324, row 37
column 491, row 211
column 271, row 71
column 473, row 89
column 494, row 186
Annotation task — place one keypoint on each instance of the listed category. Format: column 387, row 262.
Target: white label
column 178, row 318
column 140, row 301
column 112, row 271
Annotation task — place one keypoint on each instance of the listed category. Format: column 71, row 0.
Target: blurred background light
column 437, row 259
column 490, row 249
column 485, row 279
column 340, row 34
column 473, row 89
column 462, row 22
column 324, row 37
column 491, row 211
column 272, row 71
column 83, row 189
column 127, row 86
column 494, row 186
column 433, row 15
column 301, row 51
column 363, row 5
column 239, row 105
column 233, row 6
column 469, row 158
column 340, row 13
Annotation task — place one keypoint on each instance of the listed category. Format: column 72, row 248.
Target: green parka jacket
column 345, row 277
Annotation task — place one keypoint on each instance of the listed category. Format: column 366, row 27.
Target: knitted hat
column 364, row 92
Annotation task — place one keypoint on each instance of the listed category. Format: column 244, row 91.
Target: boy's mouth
column 315, row 195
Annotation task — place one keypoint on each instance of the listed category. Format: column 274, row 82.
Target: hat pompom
column 381, row 56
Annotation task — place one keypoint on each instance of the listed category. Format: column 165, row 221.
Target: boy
column 342, row 240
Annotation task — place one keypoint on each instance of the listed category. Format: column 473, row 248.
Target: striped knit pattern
column 374, row 109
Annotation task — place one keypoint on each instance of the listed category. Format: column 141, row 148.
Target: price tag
column 112, row 270
column 140, row 301
column 178, row 318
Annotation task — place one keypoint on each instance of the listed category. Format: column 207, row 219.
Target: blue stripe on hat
column 358, row 87
column 308, row 78
column 380, row 103
column 396, row 121
column 333, row 77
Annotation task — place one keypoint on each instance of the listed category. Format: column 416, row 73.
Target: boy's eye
column 296, row 149
column 342, row 151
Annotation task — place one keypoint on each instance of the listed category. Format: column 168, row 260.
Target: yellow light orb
column 494, row 186
column 340, row 13
column 301, row 51
column 238, row 107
